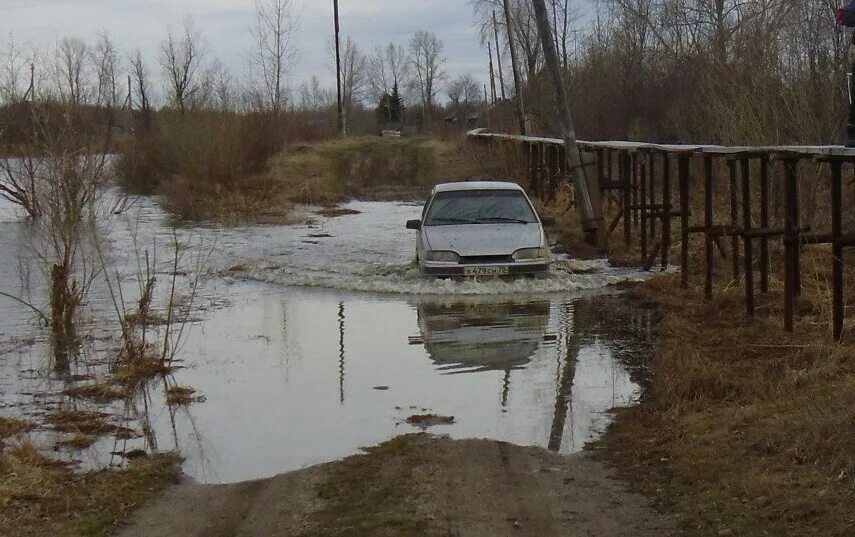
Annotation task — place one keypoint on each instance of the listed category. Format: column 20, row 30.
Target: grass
column 368, row 495
column 78, row 441
column 181, row 395
column 13, row 426
column 745, row 429
column 99, row 393
column 80, row 422
column 327, row 173
column 42, row 498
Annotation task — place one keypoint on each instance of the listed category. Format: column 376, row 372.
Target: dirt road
column 414, row 485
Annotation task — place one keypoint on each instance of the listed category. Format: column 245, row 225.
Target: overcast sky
column 225, row 24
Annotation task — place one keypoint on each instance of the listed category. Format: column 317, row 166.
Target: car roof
column 476, row 185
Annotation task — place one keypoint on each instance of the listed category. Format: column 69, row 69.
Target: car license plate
column 485, row 271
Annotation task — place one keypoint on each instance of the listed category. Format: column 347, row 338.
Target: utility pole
column 587, row 192
column 492, row 73
column 486, row 107
column 129, row 102
column 342, row 121
column 515, row 67
column 31, row 90
column 499, row 56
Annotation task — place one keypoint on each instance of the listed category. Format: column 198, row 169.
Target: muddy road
column 414, row 485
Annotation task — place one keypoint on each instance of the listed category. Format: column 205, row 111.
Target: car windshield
column 480, row 207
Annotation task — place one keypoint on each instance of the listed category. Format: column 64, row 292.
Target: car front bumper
column 433, row 268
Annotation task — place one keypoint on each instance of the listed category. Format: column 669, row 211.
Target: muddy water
column 323, row 338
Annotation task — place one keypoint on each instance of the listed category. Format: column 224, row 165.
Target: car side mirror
column 547, row 220
column 414, row 224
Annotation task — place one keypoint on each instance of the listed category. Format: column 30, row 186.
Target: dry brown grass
column 80, row 422
column 14, row 426
column 181, row 395
column 746, row 428
column 42, row 498
column 133, row 370
column 99, row 393
column 77, row 441
column 371, row 168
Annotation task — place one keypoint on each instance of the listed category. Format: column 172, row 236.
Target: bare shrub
column 205, row 165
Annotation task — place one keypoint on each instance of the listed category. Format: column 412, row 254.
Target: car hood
column 483, row 239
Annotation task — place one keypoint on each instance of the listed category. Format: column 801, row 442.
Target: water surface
column 314, row 340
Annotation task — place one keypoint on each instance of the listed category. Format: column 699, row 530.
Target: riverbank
column 745, row 429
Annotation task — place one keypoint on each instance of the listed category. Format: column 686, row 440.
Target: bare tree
column 353, row 76
column 464, row 89
column 71, row 70
column 427, row 62
column 522, row 23
column 107, row 71
column 275, row 24
column 20, row 180
column 140, row 80
column 181, row 58
column 13, row 71
column 217, row 89
column 314, row 97
column 388, row 66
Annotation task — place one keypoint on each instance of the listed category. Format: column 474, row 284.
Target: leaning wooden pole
column 342, row 124
column 492, row 73
column 516, row 68
column 587, row 192
column 499, row 57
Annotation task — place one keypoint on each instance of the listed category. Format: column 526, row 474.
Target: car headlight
column 439, row 255
column 527, row 254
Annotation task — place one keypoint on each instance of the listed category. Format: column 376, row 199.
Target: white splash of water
column 564, row 276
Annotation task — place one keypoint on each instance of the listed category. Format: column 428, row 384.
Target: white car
column 480, row 228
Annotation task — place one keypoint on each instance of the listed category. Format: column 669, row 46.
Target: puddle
column 324, row 339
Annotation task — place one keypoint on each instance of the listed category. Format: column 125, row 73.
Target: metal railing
column 649, row 198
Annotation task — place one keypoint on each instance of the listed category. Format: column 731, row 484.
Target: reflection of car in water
column 470, row 336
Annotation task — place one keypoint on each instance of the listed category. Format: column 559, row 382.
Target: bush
column 205, row 165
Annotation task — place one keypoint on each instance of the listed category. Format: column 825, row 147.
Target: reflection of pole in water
column 506, row 387
column 341, row 352
column 563, row 391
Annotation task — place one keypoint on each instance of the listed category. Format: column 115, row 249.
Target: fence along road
column 646, row 205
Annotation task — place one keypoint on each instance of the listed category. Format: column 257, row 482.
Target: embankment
column 746, row 429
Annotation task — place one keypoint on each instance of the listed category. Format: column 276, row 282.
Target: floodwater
column 311, row 341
